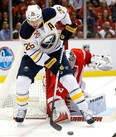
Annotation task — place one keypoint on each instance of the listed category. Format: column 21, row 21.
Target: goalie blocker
column 101, row 62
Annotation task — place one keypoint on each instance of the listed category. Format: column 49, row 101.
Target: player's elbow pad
column 68, row 31
column 53, row 65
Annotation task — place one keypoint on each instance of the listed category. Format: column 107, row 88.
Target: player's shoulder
column 26, row 30
column 52, row 12
column 48, row 13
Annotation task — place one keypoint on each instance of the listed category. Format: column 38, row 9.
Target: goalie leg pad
column 61, row 112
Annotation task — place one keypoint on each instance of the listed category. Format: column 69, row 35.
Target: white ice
column 42, row 128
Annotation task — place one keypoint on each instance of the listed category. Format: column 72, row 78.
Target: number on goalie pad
column 96, row 104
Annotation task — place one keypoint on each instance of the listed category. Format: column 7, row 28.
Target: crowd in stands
column 101, row 17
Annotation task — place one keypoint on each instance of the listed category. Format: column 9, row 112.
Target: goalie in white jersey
column 42, row 47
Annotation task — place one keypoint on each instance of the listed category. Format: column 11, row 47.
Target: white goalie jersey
column 38, row 44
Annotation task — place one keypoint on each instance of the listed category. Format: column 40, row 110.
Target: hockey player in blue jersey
column 42, row 46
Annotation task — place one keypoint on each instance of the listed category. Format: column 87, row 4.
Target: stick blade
column 55, row 125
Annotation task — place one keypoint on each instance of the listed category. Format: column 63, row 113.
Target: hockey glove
column 107, row 65
column 54, row 65
column 102, row 63
column 67, row 32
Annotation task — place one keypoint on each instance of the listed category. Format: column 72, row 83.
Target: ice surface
column 42, row 128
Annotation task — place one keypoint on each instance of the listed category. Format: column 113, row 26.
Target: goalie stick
column 52, row 123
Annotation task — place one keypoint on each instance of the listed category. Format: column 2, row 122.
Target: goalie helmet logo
column 71, row 58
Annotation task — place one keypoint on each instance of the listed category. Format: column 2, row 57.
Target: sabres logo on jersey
column 48, row 41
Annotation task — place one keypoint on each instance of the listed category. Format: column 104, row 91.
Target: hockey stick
column 52, row 123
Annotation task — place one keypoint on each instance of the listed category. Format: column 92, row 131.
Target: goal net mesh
column 37, row 99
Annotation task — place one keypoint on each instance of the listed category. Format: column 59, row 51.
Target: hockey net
column 37, row 108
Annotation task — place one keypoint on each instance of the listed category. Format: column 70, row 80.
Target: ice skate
column 86, row 94
column 20, row 116
column 88, row 117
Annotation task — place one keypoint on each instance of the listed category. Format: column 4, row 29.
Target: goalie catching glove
column 101, row 62
column 68, row 31
column 53, row 65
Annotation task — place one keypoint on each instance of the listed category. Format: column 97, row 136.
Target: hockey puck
column 70, row 132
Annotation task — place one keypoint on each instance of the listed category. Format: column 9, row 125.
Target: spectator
column 5, row 16
column 108, row 35
column 96, row 3
column 16, row 35
column 76, row 21
column 90, row 34
column 97, row 35
column 109, row 2
column 91, row 17
column 21, row 7
column 80, row 35
column 42, row 3
column 91, row 12
column 105, row 17
column 19, row 13
column 50, row 3
column 4, row 5
column 106, row 28
column 17, row 29
column 76, row 4
column 103, row 6
column 1, row 20
column 113, row 9
column 4, row 33
column 32, row 2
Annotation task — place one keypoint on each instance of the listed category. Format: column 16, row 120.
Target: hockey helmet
column 33, row 13
column 71, row 57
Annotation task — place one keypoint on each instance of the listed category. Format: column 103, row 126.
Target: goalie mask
column 71, row 58
column 101, row 62
column 33, row 13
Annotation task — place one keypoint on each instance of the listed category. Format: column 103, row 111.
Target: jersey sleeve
column 62, row 14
